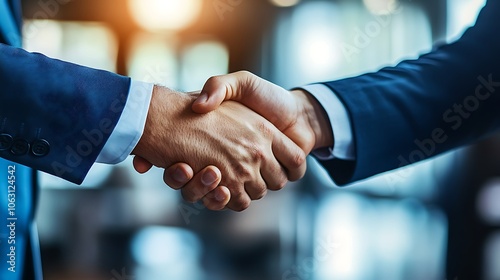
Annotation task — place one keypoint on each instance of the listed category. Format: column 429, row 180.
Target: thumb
column 215, row 91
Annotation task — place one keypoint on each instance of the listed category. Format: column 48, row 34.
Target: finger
column 178, row 175
column 217, row 199
column 212, row 95
column 267, row 99
column 220, row 88
column 256, row 189
column 202, row 183
column 257, row 192
column 274, row 174
column 141, row 165
column 291, row 157
column 239, row 201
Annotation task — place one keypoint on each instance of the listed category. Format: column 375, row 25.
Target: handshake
column 229, row 144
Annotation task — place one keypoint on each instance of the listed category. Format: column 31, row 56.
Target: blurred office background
column 437, row 220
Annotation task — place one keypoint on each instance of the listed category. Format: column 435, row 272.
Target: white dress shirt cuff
column 340, row 122
column 130, row 126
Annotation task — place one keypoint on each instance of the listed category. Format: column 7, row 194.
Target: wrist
column 317, row 119
column 164, row 104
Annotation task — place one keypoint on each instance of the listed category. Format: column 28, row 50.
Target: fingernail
column 202, row 98
column 209, row 178
column 179, row 176
column 220, row 197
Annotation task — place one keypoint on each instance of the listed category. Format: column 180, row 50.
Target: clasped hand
column 229, row 153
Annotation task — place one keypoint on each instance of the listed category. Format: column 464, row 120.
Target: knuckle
column 215, row 80
column 280, row 185
column 265, row 128
column 298, row 159
column 242, row 205
column 240, row 201
column 242, row 171
column 261, row 194
column 245, row 73
column 256, row 190
column 257, row 154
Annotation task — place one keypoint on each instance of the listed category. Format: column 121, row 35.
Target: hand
column 239, row 142
column 295, row 113
column 179, row 175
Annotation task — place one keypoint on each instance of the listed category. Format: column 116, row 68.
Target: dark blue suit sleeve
column 421, row 108
column 56, row 116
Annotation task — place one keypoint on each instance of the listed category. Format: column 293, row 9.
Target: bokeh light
column 165, row 14
column 285, row 3
column 381, row 7
column 487, row 202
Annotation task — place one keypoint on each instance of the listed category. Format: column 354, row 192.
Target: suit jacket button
column 5, row 141
column 40, row 148
column 20, row 147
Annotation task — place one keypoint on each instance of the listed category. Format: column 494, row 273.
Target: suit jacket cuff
column 340, row 122
column 130, row 126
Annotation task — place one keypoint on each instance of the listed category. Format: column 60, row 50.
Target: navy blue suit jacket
column 55, row 117
column 421, row 108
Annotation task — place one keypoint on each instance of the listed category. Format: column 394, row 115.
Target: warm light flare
column 285, row 3
column 165, row 14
